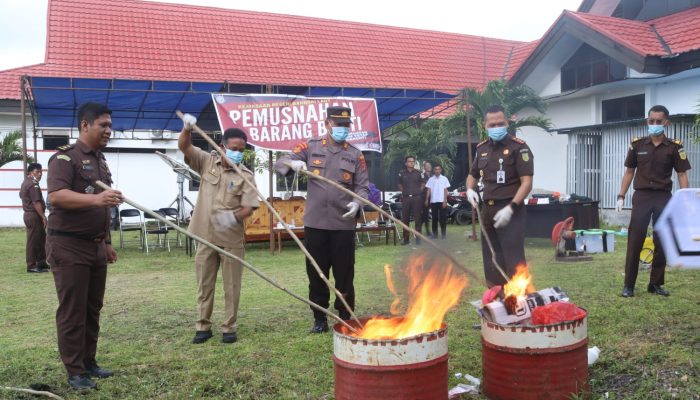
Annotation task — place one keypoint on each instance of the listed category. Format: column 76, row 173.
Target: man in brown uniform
column 79, row 245
column 34, row 219
column 223, row 203
column 330, row 215
column 654, row 158
column 411, row 185
column 505, row 165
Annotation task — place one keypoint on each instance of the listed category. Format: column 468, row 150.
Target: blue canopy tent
column 151, row 105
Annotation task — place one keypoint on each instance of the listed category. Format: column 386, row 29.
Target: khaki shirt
column 411, row 182
column 30, row 193
column 221, row 193
column 655, row 164
column 342, row 163
column 511, row 156
column 76, row 167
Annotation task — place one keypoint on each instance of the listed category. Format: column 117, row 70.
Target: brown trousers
column 36, row 240
column 646, row 205
column 508, row 242
column 207, row 263
column 79, row 271
column 412, row 205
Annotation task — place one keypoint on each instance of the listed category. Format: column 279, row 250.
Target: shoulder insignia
column 637, row 139
column 483, row 142
column 678, row 142
column 363, row 162
column 63, row 157
column 518, row 140
column 65, row 147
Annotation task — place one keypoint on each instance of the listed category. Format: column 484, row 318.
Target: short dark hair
column 33, row 166
column 407, row 157
column 90, row 111
column 495, row 108
column 231, row 133
column 659, row 108
column 437, row 165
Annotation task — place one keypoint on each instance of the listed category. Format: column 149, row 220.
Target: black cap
column 339, row 114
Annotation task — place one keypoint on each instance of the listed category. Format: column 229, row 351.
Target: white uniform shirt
column 437, row 186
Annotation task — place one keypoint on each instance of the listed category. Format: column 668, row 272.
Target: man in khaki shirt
column 224, row 201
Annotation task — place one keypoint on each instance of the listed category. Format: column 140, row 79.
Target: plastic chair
column 131, row 220
column 155, row 227
column 174, row 216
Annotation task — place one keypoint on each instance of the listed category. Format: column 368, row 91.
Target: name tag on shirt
column 500, row 176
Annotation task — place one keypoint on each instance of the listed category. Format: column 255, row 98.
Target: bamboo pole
column 397, row 221
column 33, row 392
column 279, row 218
column 227, row 254
column 485, row 235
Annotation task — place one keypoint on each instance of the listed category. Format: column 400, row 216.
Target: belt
column 97, row 239
column 413, row 195
column 497, row 202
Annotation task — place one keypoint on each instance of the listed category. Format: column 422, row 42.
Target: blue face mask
column 497, row 134
column 235, row 156
column 655, row 130
column 340, row 133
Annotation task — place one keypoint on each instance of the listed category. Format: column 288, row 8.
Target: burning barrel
column 409, row 368
column 535, row 362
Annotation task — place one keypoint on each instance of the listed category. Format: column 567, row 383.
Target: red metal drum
column 410, row 368
column 539, row 362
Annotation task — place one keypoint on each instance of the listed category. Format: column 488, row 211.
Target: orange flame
column 432, row 292
column 521, row 283
column 394, row 308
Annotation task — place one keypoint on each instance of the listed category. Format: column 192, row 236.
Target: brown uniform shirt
column 30, row 193
column 655, row 164
column 411, row 182
column 511, row 156
column 76, row 167
column 342, row 163
column 221, row 193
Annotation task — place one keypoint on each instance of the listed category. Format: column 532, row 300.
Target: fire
column 432, row 292
column 520, row 285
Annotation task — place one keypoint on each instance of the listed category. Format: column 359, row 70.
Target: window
column 52, row 142
column 588, row 67
column 623, row 108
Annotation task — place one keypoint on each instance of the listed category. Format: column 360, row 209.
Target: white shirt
column 437, row 186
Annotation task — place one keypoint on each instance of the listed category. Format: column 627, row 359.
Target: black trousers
column 508, row 242
column 439, row 214
column 646, row 205
column 332, row 250
column 80, row 272
column 412, row 205
column 36, row 240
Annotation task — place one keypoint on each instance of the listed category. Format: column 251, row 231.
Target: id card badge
column 500, row 176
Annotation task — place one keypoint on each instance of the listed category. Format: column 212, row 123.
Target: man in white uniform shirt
column 436, row 198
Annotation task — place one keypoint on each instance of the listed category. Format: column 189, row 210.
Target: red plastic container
column 541, row 362
column 411, row 368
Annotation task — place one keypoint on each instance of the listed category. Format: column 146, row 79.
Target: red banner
column 279, row 122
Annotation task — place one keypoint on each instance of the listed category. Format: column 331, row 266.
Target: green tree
column 429, row 139
column 10, row 148
column 513, row 98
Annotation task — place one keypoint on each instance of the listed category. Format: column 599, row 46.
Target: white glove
column 188, row 120
column 353, row 207
column 618, row 205
column 472, row 197
column 296, row 165
column 502, row 217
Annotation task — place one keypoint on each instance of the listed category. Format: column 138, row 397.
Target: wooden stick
column 30, row 391
column 396, row 220
column 229, row 255
column 279, row 218
column 488, row 242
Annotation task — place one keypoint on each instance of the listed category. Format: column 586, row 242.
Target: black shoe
column 96, row 372
column 628, row 292
column 657, row 289
column 320, row 326
column 81, row 382
column 35, row 270
column 230, row 337
column 344, row 315
column 201, row 336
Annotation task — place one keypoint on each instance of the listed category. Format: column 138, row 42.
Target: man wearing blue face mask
column 330, row 215
column 504, row 164
column 224, row 201
column 653, row 158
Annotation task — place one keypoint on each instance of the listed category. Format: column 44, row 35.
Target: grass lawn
column 650, row 345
